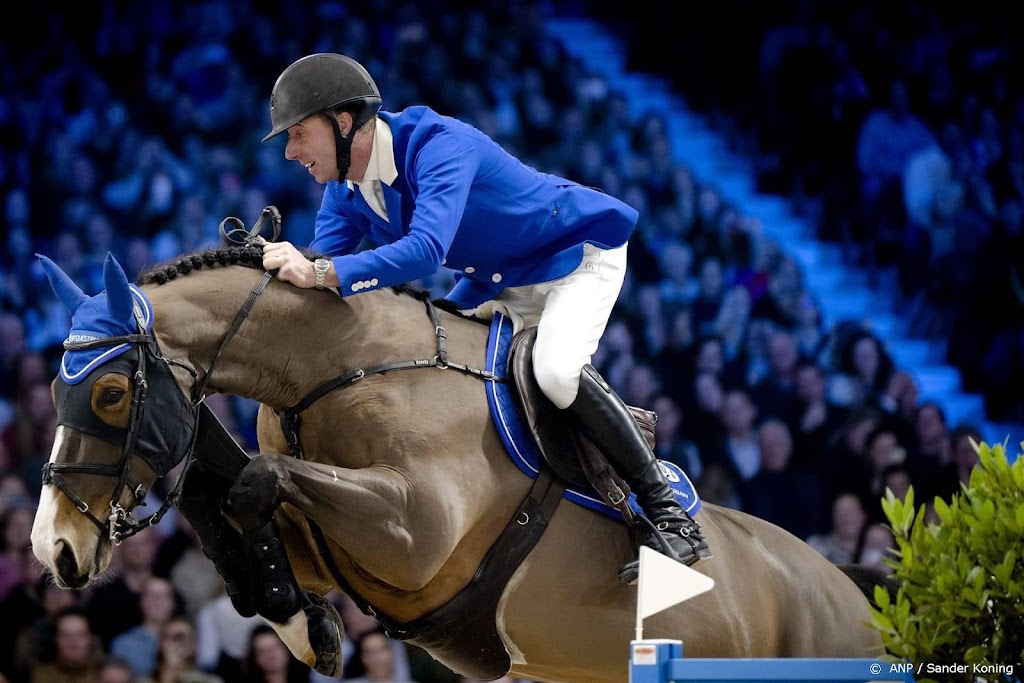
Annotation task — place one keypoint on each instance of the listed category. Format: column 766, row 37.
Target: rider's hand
column 291, row 265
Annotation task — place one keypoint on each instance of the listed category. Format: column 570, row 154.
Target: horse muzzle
column 66, row 543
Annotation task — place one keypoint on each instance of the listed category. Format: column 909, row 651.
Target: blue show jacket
column 463, row 202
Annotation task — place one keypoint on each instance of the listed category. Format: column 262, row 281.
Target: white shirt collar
column 381, row 165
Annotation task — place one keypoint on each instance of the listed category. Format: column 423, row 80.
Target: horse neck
column 292, row 340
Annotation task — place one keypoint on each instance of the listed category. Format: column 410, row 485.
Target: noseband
column 162, row 442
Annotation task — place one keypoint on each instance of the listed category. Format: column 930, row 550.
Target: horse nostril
column 67, row 566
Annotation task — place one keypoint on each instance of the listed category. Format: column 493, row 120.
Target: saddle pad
column 523, row 449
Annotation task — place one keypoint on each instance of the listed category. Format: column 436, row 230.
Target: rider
column 433, row 191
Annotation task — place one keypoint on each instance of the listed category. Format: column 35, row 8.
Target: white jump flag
column 663, row 582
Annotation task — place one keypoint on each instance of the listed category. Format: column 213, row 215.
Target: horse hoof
column 325, row 634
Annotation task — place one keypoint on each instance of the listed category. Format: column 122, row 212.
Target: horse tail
column 867, row 578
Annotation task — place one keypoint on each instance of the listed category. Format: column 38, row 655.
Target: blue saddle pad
column 523, row 449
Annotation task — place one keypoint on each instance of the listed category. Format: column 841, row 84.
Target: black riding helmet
column 321, row 84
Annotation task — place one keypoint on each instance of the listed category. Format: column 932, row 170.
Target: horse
column 401, row 488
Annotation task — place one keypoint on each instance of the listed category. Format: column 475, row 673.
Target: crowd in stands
column 134, row 128
column 899, row 131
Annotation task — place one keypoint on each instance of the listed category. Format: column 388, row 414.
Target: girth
column 463, row 631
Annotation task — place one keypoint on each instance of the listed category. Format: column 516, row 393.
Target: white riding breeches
column 570, row 314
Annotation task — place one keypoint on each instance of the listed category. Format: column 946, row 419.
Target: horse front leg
column 307, row 622
column 203, row 498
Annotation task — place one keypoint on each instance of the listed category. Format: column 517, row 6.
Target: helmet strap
column 342, row 146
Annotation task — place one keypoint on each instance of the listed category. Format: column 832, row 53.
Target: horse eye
column 111, row 396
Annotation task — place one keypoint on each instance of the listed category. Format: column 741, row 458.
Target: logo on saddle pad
column 522, row 448
column 668, row 472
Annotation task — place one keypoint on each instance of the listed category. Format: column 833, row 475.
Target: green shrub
column 962, row 595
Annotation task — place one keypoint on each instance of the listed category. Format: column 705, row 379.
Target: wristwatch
column 320, row 268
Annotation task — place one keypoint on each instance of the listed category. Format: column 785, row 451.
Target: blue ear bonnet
column 118, row 310
column 93, row 320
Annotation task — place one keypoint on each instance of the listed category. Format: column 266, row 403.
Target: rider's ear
column 345, row 122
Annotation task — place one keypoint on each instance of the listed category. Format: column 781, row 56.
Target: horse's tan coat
column 406, row 475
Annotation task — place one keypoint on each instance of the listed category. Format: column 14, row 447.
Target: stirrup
column 630, row 572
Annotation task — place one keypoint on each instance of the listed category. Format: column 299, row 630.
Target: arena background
column 830, row 233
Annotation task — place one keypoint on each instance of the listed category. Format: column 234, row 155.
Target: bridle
column 119, row 523
column 150, row 364
column 152, row 376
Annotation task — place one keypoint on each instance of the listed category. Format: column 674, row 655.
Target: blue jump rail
column 662, row 661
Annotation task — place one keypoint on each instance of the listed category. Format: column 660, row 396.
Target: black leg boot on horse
column 609, row 423
column 255, row 495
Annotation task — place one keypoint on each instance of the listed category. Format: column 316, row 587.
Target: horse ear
column 119, row 293
column 67, row 291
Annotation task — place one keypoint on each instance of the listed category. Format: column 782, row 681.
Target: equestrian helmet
column 321, row 83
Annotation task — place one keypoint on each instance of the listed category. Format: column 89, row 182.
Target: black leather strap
column 464, row 629
column 291, row 422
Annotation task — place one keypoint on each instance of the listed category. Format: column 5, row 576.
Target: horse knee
column 257, row 491
column 558, row 378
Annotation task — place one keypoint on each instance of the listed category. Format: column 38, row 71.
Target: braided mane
column 162, row 273
column 250, row 257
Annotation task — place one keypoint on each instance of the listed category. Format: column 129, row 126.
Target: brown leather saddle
column 569, row 452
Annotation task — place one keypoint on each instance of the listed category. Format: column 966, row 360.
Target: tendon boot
column 614, row 430
column 279, row 598
column 228, row 558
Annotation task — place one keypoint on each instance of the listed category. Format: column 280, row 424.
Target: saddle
column 568, row 451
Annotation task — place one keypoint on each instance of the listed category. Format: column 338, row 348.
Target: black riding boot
column 607, row 420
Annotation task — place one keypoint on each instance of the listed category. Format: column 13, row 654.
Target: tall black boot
column 614, row 430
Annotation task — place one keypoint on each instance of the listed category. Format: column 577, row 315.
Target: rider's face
column 311, row 143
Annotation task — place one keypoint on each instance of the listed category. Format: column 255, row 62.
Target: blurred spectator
column 378, row 660
column 965, row 440
column 841, row 542
column 882, row 452
column 710, row 292
column 774, row 394
column 22, row 609
column 671, row 444
column 816, row 422
column 848, row 452
column 176, row 657
column 876, row 545
column 778, row 492
column 223, row 638
column 114, row 605
column 268, row 659
column 138, row 645
column 888, row 138
column 15, row 539
column 740, row 415
column 36, row 635
column 115, row 670
column 931, row 460
column 77, row 652
column 730, row 325
column 357, row 626
column 864, row 370
column 706, row 404
column 13, row 490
